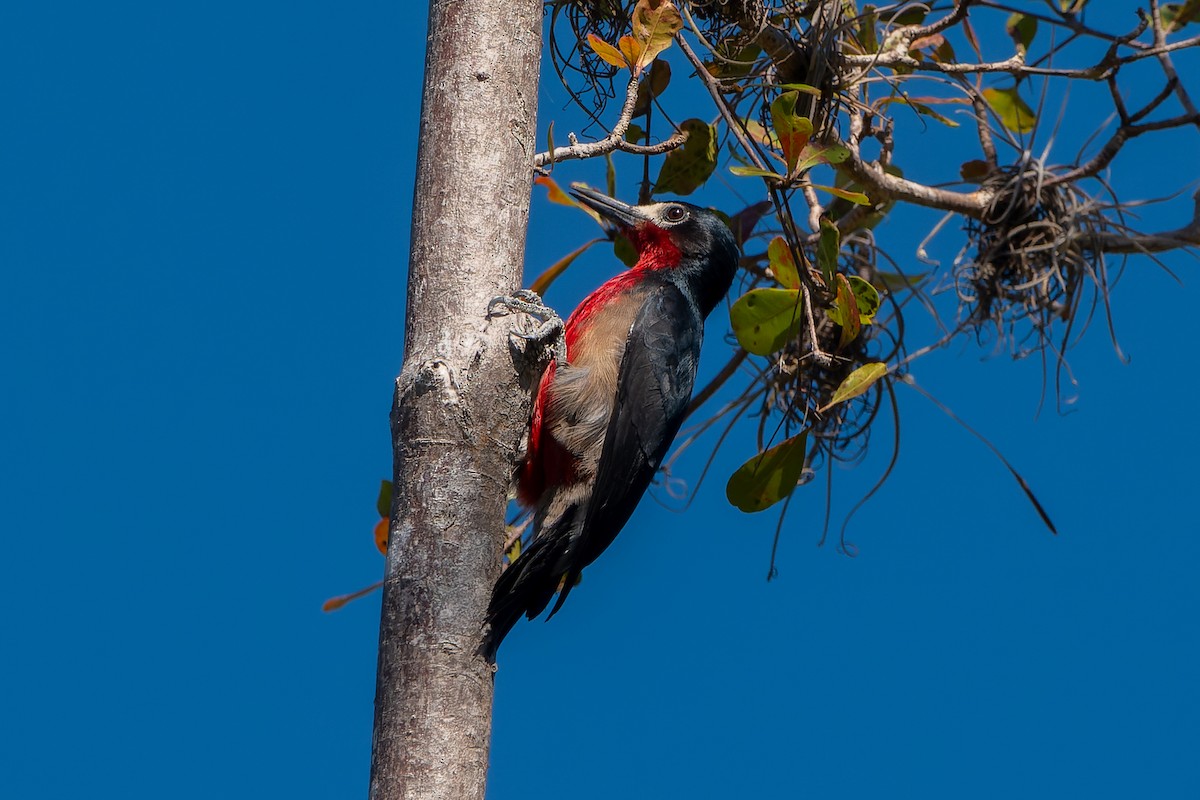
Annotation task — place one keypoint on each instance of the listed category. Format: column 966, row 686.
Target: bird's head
column 688, row 240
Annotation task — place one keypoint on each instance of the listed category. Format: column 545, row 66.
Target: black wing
column 654, row 385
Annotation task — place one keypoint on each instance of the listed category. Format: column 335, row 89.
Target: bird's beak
column 625, row 215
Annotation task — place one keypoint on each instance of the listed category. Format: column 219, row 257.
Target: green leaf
column 783, row 266
column 856, row 383
column 653, row 85
column 1014, row 113
column 624, row 250
column 922, row 108
column 606, row 51
column 802, row 88
column 793, row 130
column 768, row 477
column 1071, row 6
column 1176, row 15
column 827, row 251
column 866, row 30
column 1022, row 28
column 686, row 168
column 913, row 15
column 634, row 133
column 866, row 297
column 764, row 320
column 383, row 503
column 743, row 61
column 755, row 172
column 895, row 282
column 815, row 154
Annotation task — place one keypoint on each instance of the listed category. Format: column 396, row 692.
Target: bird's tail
column 524, row 588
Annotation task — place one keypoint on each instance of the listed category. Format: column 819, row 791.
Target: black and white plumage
column 604, row 419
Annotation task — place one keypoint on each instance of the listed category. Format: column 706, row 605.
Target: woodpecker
column 604, row 417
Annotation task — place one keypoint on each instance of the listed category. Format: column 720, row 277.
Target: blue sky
column 204, row 232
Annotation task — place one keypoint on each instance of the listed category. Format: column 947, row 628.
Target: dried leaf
column 783, row 266
column 974, row 171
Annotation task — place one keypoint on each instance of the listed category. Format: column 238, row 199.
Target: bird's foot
column 549, row 330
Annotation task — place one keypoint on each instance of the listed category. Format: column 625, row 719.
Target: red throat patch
column 655, row 248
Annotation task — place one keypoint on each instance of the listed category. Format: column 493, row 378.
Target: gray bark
column 459, row 409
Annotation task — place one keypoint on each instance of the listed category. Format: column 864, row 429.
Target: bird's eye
column 675, row 213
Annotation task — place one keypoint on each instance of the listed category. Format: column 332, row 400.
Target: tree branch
column 615, row 140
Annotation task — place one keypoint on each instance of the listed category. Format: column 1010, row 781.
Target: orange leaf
column 381, row 535
column 334, row 603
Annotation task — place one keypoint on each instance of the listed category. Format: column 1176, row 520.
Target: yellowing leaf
column 768, row 477
column 764, row 320
column 755, row 172
column 857, row 382
column 1014, row 113
column 793, row 130
column 814, row 154
column 686, row 168
column 845, row 313
column 858, row 198
column 655, row 23
column 756, row 131
column 631, row 50
column 555, row 194
column 606, row 51
column 783, row 266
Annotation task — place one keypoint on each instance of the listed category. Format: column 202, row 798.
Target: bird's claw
column 550, row 328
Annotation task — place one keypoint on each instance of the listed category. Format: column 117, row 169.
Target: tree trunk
column 459, row 410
